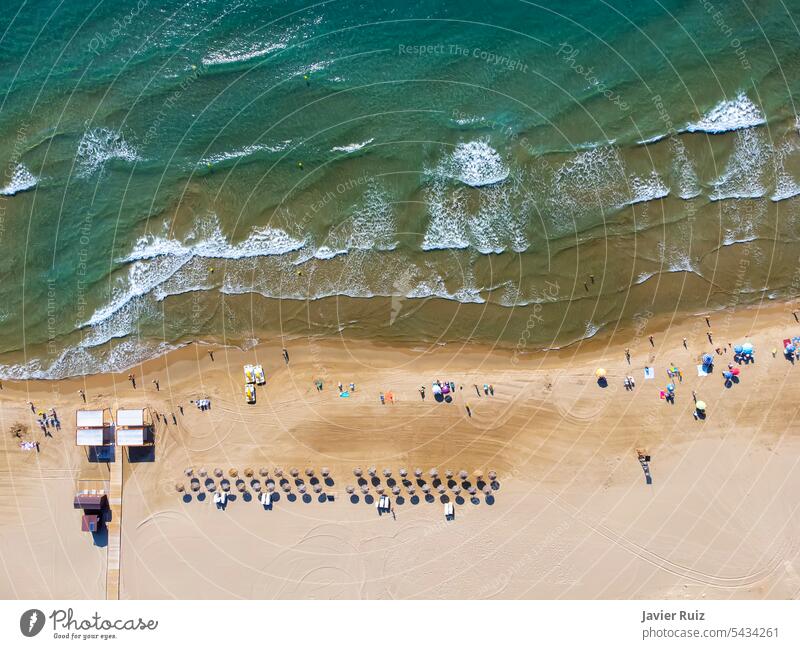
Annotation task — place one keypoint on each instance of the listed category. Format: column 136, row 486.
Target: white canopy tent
column 90, row 437
column 90, row 419
column 130, row 418
column 130, row 437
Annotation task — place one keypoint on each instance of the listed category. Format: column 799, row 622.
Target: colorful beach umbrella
column 700, row 405
column 727, row 375
column 789, row 349
column 671, row 387
column 738, row 349
column 600, row 373
column 735, row 371
column 747, row 348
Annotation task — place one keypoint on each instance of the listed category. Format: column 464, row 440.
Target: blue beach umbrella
column 789, row 349
column 727, row 375
column 747, row 348
column 708, row 359
column 671, row 387
column 738, row 349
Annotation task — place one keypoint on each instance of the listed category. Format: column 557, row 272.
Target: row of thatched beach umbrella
column 284, row 484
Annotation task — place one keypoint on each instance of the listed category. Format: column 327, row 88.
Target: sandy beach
column 571, row 515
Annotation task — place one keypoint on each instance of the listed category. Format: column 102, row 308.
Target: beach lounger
column 249, row 374
column 258, row 373
column 649, row 373
column 701, row 370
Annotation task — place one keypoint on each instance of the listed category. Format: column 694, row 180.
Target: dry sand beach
column 571, row 517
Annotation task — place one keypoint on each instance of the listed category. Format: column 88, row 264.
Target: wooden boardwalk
column 115, row 526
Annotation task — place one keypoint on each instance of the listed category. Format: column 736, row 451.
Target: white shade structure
column 94, row 428
column 134, row 427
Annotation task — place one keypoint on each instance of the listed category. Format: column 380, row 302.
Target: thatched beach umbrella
column 472, row 491
column 270, row 486
column 179, row 487
column 387, row 473
column 278, row 471
column 318, row 488
column 309, row 472
column 248, row 472
column 294, row 472
column 263, row 472
column 448, row 474
column 487, row 491
column 301, row 488
column 325, row 472
column 218, row 473
column 396, row 490
column 456, row 490
column 492, row 476
column 411, row 490
column 463, row 474
column 188, row 472
column 358, row 472
column 380, row 491
column 372, row 471
column 403, row 473
column 426, row 488
column 441, row 489
column 350, row 489
column 203, row 473
column 365, row 489
column 418, row 472
column 478, row 473
column 233, row 473
column 286, row 486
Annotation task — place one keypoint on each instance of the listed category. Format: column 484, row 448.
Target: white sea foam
column 98, row 146
column 785, row 184
column 684, row 172
column 742, row 177
column 351, row 148
column 244, row 152
column 649, row 188
column 475, row 164
column 21, row 180
column 234, row 55
column 730, row 115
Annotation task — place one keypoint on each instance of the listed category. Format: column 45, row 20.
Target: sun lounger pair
column 383, row 504
column 449, row 511
column 265, row 499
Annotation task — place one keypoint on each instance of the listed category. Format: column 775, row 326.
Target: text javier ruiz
column 666, row 616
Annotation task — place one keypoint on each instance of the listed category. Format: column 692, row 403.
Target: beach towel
column 344, row 394
column 701, row 371
column 649, row 373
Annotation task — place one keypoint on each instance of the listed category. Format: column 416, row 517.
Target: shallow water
column 422, row 171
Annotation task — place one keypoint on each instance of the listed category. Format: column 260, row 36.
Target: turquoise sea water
column 421, row 170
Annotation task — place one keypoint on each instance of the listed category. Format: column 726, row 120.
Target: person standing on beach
column 174, row 419
column 132, row 379
column 181, row 409
column 285, row 355
column 469, row 409
column 155, row 382
column 708, row 322
column 491, row 389
column 83, row 395
column 422, row 392
column 477, row 391
column 211, row 354
column 710, row 339
column 685, row 346
column 628, row 355
column 652, row 342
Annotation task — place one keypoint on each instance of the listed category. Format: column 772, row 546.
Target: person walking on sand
column 694, row 396
column 708, row 322
column 652, row 342
column 628, row 355
column 477, row 391
column 211, row 354
column 469, row 409
column 685, row 346
column 318, row 383
column 710, row 339
column 181, row 409
column 132, row 379
column 491, row 389
column 174, row 419
column 33, row 410
column 422, row 392
column 285, row 355
column 155, row 382
column 83, row 395
column 341, row 387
